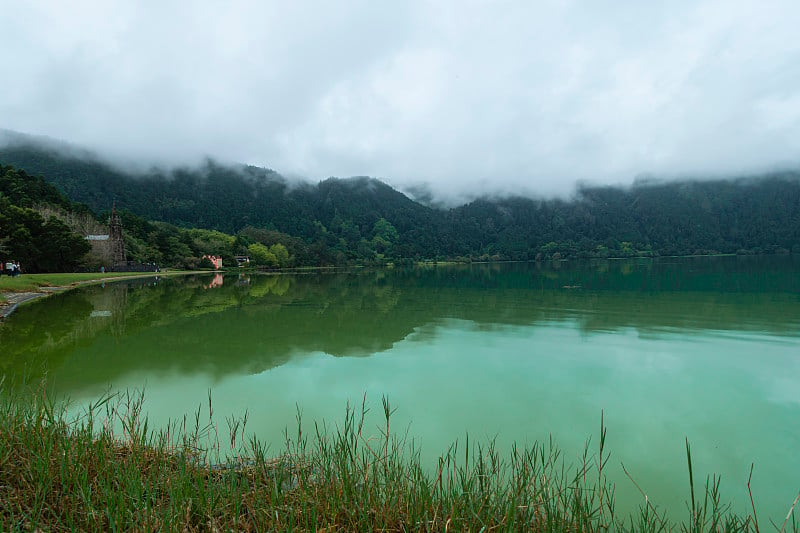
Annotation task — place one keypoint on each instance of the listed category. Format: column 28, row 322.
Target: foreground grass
column 107, row 470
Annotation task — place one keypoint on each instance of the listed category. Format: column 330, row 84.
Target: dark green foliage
column 759, row 215
column 39, row 244
column 362, row 220
column 330, row 218
column 29, row 191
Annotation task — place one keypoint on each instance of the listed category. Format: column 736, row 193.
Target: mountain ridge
column 754, row 214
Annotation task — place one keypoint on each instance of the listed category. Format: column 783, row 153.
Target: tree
column 39, row 245
column 261, row 255
column 385, row 230
column 63, row 250
column 281, row 254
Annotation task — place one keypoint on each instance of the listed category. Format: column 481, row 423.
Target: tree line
column 174, row 217
column 46, row 232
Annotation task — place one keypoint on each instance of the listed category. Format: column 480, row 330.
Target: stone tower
column 115, row 237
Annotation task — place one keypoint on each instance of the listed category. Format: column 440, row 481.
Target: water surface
column 701, row 348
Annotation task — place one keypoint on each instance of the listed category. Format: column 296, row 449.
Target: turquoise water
column 704, row 348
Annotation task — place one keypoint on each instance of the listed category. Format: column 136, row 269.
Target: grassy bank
column 107, row 470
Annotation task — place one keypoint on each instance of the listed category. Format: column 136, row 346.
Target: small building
column 242, row 260
column 216, row 261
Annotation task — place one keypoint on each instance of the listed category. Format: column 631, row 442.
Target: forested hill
column 37, row 224
column 228, row 199
column 364, row 219
column 747, row 215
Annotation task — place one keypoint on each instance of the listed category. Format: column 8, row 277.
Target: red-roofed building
column 216, row 261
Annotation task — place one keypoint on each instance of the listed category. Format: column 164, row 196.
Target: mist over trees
column 174, row 218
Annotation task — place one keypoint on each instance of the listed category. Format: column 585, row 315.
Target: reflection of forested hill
column 249, row 325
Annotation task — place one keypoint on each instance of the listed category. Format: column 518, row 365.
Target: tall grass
column 108, row 470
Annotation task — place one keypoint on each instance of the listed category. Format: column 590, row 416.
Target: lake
column 701, row 348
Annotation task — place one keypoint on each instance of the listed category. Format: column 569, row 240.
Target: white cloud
column 469, row 96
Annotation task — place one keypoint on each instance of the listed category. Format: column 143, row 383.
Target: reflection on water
column 703, row 348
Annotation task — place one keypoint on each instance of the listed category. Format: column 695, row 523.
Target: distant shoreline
column 12, row 297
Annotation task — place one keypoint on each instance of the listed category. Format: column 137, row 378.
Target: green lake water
column 701, row 348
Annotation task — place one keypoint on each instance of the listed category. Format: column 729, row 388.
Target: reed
column 109, row 470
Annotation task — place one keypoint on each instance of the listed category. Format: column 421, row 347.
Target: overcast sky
column 465, row 95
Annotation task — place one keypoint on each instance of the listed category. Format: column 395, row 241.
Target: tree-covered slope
column 754, row 215
column 38, row 241
column 363, row 219
column 229, row 199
